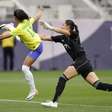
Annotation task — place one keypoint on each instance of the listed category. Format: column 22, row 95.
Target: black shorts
column 83, row 66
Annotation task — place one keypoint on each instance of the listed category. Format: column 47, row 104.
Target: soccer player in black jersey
column 71, row 41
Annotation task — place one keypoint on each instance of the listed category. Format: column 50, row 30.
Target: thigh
column 28, row 61
column 4, row 52
column 33, row 55
column 11, row 53
column 70, row 72
column 83, row 66
column 36, row 53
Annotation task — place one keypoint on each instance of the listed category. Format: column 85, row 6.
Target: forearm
column 2, row 37
column 5, row 35
column 39, row 14
column 56, row 29
column 37, row 18
column 45, row 38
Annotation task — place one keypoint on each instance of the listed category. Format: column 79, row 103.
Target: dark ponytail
column 72, row 25
column 76, row 28
column 20, row 15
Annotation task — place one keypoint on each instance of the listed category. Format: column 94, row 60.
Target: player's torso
column 28, row 36
column 73, row 46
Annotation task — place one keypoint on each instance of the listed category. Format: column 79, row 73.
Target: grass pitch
column 78, row 95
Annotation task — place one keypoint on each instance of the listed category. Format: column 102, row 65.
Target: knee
column 63, row 77
column 25, row 68
column 97, row 84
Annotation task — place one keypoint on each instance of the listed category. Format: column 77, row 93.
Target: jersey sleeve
column 57, row 38
column 15, row 32
column 32, row 20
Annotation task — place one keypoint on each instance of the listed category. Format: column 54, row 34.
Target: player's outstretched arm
column 45, row 37
column 5, row 35
column 39, row 14
column 56, row 29
column 9, row 27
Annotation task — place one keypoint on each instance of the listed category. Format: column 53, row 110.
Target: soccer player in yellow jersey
column 31, row 40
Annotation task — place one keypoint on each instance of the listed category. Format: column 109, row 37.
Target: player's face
column 65, row 26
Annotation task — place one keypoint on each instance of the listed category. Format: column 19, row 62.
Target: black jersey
column 71, row 44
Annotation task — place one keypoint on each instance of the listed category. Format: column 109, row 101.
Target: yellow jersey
column 8, row 42
column 25, row 31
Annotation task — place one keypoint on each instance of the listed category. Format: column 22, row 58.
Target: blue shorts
column 36, row 53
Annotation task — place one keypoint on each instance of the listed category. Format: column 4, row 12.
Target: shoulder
column 74, row 34
column 31, row 19
column 17, row 30
column 57, row 38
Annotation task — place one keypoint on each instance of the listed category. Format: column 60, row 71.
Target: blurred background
column 93, row 17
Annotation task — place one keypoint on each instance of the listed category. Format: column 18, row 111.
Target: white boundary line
column 18, row 101
column 38, row 102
